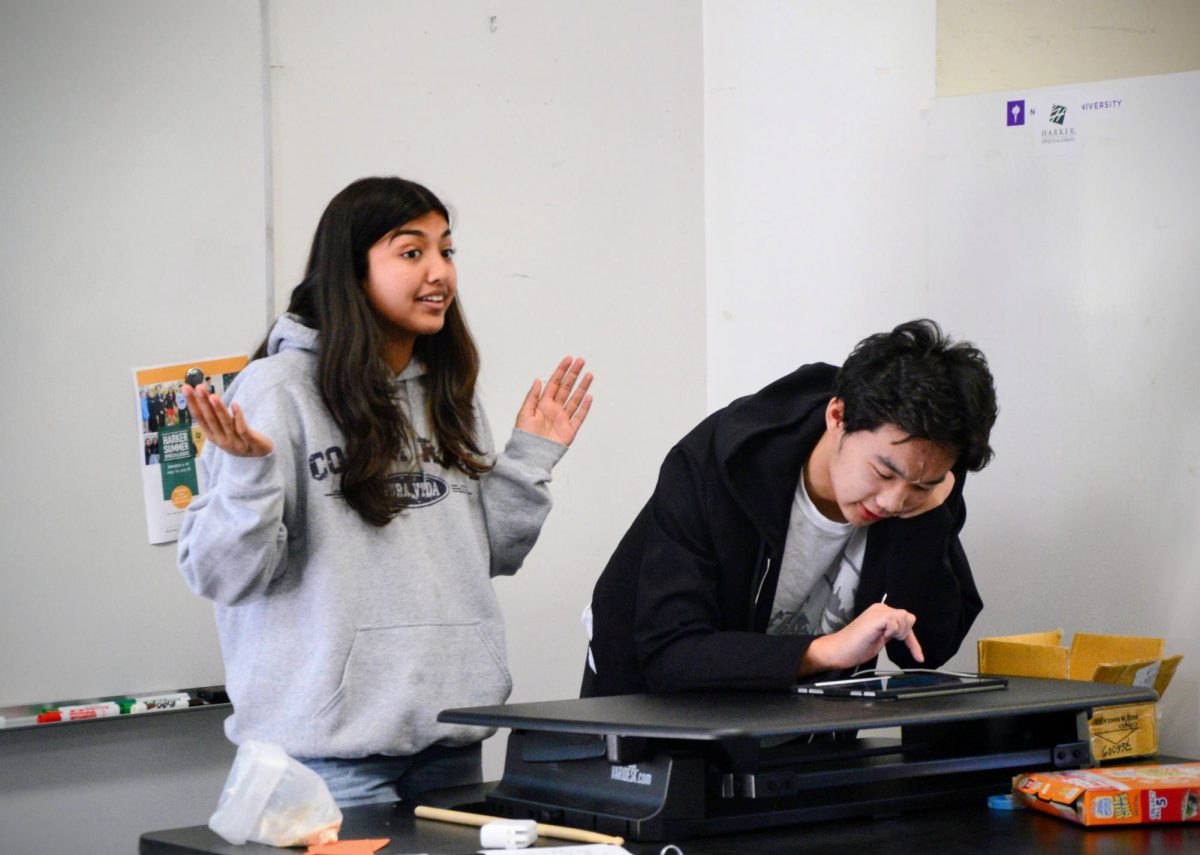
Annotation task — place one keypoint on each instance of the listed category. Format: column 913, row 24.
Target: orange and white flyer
column 169, row 443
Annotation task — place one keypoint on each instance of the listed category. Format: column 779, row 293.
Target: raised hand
column 228, row 429
column 557, row 411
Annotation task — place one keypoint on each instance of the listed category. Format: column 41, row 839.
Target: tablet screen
column 910, row 684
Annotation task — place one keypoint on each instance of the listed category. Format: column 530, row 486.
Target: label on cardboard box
column 1145, row 677
column 1125, row 731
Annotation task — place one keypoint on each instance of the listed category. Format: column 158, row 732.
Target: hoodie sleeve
column 233, row 541
column 516, row 495
column 681, row 632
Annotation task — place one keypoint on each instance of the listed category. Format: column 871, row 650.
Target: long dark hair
column 356, row 383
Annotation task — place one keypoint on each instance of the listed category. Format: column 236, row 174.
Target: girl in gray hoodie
column 355, row 508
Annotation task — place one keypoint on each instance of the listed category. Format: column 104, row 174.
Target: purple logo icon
column 1016, row 113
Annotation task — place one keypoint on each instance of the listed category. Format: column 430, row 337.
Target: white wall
column 815, row 181
column 1079, row 271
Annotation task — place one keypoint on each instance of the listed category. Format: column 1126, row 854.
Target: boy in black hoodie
column 802, row 529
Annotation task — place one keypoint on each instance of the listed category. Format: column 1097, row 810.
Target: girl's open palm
column 226, row 428
column 557, row 411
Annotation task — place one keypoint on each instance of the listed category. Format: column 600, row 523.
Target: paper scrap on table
column 581, row 849
column 348, row 847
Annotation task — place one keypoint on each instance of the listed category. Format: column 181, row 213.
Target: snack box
column 1119, row 795
column 1117, row 733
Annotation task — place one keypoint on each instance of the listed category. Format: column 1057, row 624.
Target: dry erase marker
column 154, row 703
column 17, row 720
column 157, row 706
column 80, row 711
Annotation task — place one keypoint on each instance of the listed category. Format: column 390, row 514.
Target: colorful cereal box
column 1119, row 795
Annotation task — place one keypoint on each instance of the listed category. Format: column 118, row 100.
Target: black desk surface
column 944, row 831
column 710, row 716
column 723, row 715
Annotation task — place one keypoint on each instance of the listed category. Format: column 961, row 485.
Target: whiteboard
column 133, row 212
column 1069, row 247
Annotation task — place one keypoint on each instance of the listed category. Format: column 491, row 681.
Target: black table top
column 708, row 716
column 945, row 831
column 725, row 715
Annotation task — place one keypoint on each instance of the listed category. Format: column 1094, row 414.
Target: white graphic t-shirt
column 819, row 572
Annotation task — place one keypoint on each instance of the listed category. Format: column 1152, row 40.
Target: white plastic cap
column 508, row 834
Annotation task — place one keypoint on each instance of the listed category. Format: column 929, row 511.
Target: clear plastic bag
column 271, row 798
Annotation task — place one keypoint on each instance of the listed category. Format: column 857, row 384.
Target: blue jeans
column 379, row 778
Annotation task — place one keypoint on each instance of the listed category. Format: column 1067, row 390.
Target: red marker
column 80, row 712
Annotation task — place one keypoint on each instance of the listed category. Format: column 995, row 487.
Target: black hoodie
column 685, row 599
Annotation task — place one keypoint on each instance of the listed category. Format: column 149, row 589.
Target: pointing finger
column 914, row 646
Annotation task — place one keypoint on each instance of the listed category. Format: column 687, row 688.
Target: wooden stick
column 559, row 831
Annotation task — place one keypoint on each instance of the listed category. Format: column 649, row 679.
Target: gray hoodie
column 342, row 639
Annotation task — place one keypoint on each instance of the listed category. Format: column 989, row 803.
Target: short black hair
column 920, row 380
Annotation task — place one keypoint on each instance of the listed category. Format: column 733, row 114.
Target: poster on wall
column 1057, row 120
column 169, row 442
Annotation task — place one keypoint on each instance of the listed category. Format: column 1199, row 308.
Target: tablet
column 903, row 684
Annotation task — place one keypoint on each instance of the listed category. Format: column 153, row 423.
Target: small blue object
column 1004, row 802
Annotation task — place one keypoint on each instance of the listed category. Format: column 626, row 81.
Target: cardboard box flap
column 1052, row 638
column 1148, row 673
column 1142, row 672
column 1165, row 672
column 1089, row 651
column 1022, row 659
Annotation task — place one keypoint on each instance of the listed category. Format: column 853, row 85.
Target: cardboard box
column 1119, row 732
column 1122, row 795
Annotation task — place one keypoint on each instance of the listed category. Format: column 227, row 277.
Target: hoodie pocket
column 397, row 678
